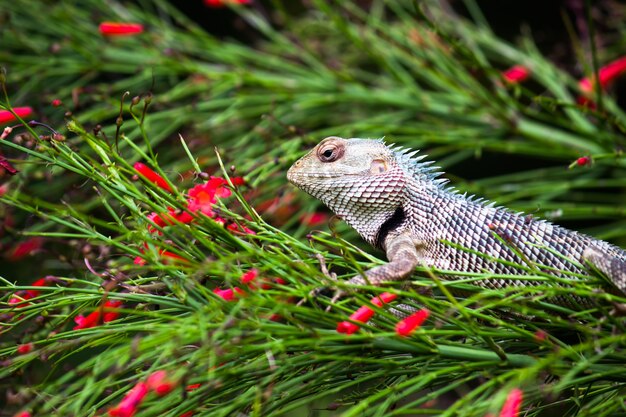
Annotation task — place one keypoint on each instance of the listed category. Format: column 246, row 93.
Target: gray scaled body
column 397, row 203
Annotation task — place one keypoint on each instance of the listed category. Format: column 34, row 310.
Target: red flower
column 164, row 254
column 240, row 228
column 606, row 75
column 129, row 404
column 540, row 335
column 23, row 414
column 229, row 293
column 7, row 117
column 158, row 382
column 249, row 276
column 25, row 348
column 314, row 219
column 364, row 313
column 192, row 387
column 583, row 160
column 408, row 325
column 56, row 103
column 516, row 74
column 24, row 248
column 104, row 314
column 20, row 297
column 186, row 414
column 203, row 196
column 120, row 29
column 223, row 3
column 152, row 176
column 512, row 404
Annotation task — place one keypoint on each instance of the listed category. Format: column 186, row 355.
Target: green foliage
column 415, row 73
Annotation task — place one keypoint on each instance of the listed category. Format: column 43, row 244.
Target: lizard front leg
column 402, row 253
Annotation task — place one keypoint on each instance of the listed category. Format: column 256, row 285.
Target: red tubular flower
column 23, row 414
column 120, row 29
column 107, row 312
column 7, row 117
column 56, row 103
column 408, row 325
column 250, row 276
column 25, row 348
column 384, row 298
column 606, row 75
column 512, row 404
column 20, row 297
column 203, row 196
column 152, row 176
column 24, row 248
column 159, row 383
column 364, row 313
column 192, row 387
column 540, row 335
column 229, row 293
column 583, row 160
column 516, row 74
column 129, row 404
column 314, row 219
column 240, row 228
column 186, row 414
column 222, row 3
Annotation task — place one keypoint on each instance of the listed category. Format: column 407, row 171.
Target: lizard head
column 359, row 179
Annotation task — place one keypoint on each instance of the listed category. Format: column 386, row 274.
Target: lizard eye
column 330, row 152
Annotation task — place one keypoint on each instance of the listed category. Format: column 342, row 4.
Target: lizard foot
column 317, row 291
column 619, row 310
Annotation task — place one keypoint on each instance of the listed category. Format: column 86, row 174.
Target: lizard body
column 397, row 202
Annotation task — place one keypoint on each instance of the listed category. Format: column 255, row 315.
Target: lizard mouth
column 293, row 175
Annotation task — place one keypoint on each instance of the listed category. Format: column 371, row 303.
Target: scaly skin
column 397, row 203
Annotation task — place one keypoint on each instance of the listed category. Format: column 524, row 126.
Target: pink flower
column 23, row 414
column 129, row 404
column 250, row 276
column 408, row 325
column 159, row 383
column 57, row 103
column 229, row 293
column 104, row 314
column 120, row 29
column 516, row 74
column 364, row 313
column 512, row 404
column 25, row 348
column 152, row 176
column 7, row 117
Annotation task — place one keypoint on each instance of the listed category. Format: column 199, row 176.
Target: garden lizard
column 398, row 203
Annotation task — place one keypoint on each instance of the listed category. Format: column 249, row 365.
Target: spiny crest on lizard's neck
column 361, row 179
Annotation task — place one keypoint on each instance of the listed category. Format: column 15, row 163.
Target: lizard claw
column 317, row 291
column 338, row 295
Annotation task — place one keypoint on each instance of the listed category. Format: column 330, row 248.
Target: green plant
column 417, row 74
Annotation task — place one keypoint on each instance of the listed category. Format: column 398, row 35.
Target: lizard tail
column 613, row 267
